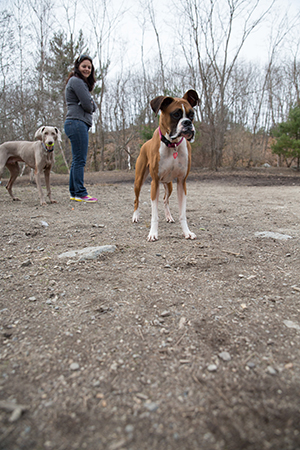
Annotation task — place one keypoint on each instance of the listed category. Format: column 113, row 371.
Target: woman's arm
column 83, row 94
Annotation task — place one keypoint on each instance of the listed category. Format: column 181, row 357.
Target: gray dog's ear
column 58, row 134
column 39, row 133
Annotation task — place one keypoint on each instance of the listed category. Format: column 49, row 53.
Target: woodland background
column 178, row 45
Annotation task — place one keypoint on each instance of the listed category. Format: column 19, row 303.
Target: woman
column 80, row 106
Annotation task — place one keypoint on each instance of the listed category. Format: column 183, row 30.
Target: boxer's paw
column 189, row 235
column 152, row 237
column 169, row 218
column 135, row 217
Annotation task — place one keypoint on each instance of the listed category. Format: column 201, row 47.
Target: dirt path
column 174, row 344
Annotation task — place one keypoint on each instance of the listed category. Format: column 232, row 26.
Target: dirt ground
column 169, row 345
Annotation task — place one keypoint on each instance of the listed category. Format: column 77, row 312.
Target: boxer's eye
column 177, row 114
column 191, row 115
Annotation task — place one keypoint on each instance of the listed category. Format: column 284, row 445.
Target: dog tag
column 175, row 154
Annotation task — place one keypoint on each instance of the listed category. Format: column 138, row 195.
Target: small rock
column 141, row 396
column 212, row 368
column 32, row 299
column 271, row 370
column 151, row 406
column 44, row 224
column 114, row 367
column 182, row 322
column 16, row 414
column 290, row 324
column 74, row 366
column 165, row 314
column 225, row 356
column 270, row 234
column 251, row 365
column 26, row 263
column 89, row 252
column 129, row 428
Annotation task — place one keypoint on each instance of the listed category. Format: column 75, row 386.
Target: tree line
column 241, row 100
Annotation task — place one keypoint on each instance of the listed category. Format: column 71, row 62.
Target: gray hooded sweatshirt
column 79, row 101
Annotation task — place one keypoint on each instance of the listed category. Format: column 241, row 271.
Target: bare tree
column 7, row 47
column 104, row 22
column 148, row 8
column 213, row 26
column 42, row 21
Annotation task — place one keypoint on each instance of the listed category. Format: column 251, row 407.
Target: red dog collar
column 167, row 142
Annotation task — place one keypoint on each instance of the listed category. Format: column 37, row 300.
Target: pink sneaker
column 87, row 199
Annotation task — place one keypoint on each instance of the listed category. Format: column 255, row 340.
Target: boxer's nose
column 186, row 123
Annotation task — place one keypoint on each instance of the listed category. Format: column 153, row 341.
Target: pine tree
column 287, row 137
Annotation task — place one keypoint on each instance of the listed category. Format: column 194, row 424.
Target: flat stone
column 129, row 428
column 74, row 366
column 251, row 365
column 270, row 234
column 271, row 370
column 212, row 368
column 165, row 314
column 26, row 263
column 225, row 356
column 151, row 406
column 290, row 324
column 89, row 252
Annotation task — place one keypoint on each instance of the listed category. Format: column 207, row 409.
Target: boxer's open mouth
column 187, row 134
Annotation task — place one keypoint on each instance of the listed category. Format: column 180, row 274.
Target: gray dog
column 37, row 155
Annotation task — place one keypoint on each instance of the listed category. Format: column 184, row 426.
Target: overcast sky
column 128, row 34
column 126, row 40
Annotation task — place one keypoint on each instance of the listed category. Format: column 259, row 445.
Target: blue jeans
column 78, row 133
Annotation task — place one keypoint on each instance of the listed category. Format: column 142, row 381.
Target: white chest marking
column 173, row 162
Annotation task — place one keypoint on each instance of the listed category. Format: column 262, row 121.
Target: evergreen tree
column 62, row 54
column 287, row 137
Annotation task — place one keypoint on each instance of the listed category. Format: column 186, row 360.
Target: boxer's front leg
column 168, row 191
column 153, row 234
column 182, row 211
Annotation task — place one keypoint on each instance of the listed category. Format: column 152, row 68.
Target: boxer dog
column 167, row 156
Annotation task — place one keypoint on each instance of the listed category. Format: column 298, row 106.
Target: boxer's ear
column 192, row 97
column 160, row 102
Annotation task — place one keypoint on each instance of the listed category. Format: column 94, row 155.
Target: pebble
column 272, row 235
column 290, row 324
column 32, row 299
column 151, row 406
column 129, row 428
column 74, row 366
column 114, row 367
column 212, row 368
column 88, row 252
column 225, row 356
column 165, row 314
column 271, row 370
column 251, row 365
column 26, row 263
